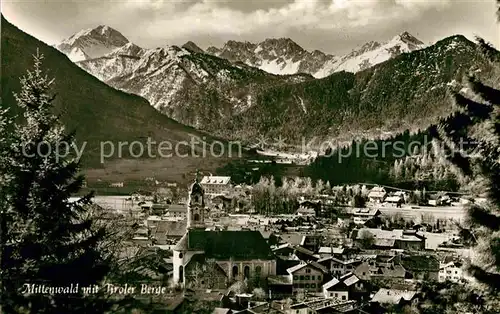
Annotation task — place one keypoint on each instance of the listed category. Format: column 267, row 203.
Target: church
column 214, row 259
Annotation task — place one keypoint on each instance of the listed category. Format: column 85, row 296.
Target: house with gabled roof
column 346, row 287
column 452, row 271
column 307, row 276
column 338, row 267
column 287, row 250
column 165, row 231
column 377, row 194
column 327, row 251
column 176, row 211
column 421, row 267
column 375, row 271
column 362, row 215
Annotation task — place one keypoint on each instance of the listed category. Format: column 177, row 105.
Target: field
column 457, row 213
column 178, row 169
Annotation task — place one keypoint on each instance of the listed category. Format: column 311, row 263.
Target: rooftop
column 364, row 211
column 420, row 263
column 313, row 264
column 238, row 245
column 177, row 208
column 394, row 199
column 393, row 296
column 330, row 250
column 215, row 180
column 347, row 279
column 396, row 234
column 169, row 228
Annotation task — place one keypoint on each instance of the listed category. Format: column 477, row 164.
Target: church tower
column 196, row 206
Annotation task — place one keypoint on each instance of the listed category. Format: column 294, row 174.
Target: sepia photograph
column 250, row 156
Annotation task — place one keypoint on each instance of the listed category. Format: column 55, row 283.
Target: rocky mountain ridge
column 236, row 101
column 284, row 56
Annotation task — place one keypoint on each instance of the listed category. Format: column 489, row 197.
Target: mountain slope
column 92, row 43
column 98, row 112
column 370, row 54
column 233, row 100
column 194, row 88
column 407, row 92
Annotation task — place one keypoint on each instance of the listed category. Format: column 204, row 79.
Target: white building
column 451, row 271
column 176, row 211
column 377, row 194
column 216, row 185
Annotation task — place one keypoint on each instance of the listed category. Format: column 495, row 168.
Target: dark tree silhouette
column 46, row 240
column 471, row 138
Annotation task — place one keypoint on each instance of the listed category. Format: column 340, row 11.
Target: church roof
column 238, row 245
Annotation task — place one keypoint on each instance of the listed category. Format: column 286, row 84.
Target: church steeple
column 197, row 176
column 196, row 205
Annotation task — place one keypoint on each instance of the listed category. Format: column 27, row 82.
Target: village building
column 308, row 208
column 346, row 287
column 321, row 305
column 327, row 251
column 306, row 211
column 402, row 194
column 439, row 200
column 290, row 251
column 452, row 271
column 391, row 239
column 165, row 232
column 221, row 202
column 116, row 185
column 307, row 276
column 394, row 201
column 362, row 215
column 372, row 271
column 421, row 267
column 338, row 267
column 377, row 194
column 142, row 237
column 176, row 211
column 213, row 259
column 216, row 185
column 311, row 242
column 394, row 297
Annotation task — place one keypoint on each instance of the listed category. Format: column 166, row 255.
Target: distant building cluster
column 349, row 262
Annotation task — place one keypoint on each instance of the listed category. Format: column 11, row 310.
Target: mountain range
column 284, row 56
column 374, row 91
column 99, row 113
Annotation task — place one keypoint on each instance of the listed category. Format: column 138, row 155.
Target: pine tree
column 46, row 239
column 472, row 144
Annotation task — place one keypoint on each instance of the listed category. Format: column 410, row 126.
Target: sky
column 332, row 26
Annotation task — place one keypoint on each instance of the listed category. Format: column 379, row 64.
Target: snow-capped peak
column 92, row 43
column 104, row 29
column 409, row 38
column 372, row 53
column 406, row 41
column 284, row 56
